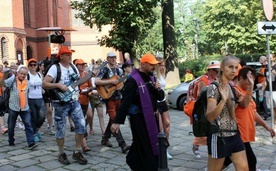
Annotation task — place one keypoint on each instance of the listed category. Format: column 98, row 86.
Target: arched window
column 3, row 47
column 29, row 52
column 26, row 8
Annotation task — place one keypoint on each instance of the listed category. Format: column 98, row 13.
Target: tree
column 130, row 20
column 231, row 26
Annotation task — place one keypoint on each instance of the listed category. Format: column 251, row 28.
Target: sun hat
column 149, row 58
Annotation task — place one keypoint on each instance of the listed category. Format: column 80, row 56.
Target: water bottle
column 195, row 117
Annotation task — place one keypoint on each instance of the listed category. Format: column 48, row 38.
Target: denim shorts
column 72, row 109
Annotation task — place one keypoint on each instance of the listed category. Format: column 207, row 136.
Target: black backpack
column 4, row 100
column 201, row 126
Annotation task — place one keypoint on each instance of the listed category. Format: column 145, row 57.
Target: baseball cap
column 111, row 54
column 126, row 65
column 214, row 64
column 32, row 60
column 80, row 61
column 149, row 58
column 64, row 50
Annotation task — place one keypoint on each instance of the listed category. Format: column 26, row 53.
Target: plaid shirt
column 14, row 96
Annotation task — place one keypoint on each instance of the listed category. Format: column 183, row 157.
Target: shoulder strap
column 74, row 68
column 28, row 76
column 58, row 72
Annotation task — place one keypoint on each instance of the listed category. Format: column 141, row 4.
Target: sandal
column 92, row 132
column 86, row 149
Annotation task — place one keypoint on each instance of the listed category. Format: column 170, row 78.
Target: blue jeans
column 26, row 118
column 37, row 109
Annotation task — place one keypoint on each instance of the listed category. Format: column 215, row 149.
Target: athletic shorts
column 162, row 107
column 218, row 149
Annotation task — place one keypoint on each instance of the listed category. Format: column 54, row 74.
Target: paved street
column 101, row 158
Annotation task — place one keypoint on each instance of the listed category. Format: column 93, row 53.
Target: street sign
column 266, row 27
column 268, row 9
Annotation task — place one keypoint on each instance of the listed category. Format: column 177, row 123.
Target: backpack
column 50, row 94
column 201, row 126
column 4, row 100
column 191, row 97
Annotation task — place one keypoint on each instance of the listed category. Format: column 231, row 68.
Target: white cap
column 214, row 64
column 109, row 54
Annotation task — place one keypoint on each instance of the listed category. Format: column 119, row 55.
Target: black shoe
column 11, row 144
column 62, row 158
column 125, row 148
column 106, row 142
column 32, row 146
column 79, row 157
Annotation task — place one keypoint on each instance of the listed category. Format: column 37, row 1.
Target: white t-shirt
column 163, row 83
column 65, row 74
column 35, row 90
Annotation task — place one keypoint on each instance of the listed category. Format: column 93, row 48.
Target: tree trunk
column 169, row 43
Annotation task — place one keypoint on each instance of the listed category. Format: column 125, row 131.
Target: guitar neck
column 122, row 78
column 82, row 80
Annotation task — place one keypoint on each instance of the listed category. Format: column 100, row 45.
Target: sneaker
column 39, row 135
column 36, row 139
column 125, row 148
column 4, row 130
column 62, row 158
column 195, row 151
column 32, row 146
column 79, row 157
column 106, row 142
column 169, row 157
column 21, row 126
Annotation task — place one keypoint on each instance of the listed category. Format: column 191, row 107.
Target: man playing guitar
column 65, row 108
column 114, row 101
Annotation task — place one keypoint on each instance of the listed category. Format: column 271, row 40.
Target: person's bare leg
column 101, row 118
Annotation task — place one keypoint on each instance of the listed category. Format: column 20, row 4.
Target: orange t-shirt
column 84, row 98
column 246, row 119
column 261, row 77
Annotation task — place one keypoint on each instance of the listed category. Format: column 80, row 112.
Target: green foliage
column 233, row 24
column 130, row 20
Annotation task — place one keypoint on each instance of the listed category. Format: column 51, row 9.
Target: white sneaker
column 169, row 157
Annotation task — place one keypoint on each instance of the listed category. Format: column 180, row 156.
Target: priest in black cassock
column 140, row 95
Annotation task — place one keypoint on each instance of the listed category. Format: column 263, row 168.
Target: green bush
column 199, row 66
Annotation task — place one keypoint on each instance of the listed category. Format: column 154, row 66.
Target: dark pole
column 162, row 144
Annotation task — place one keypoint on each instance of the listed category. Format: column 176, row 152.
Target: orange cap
column 32, row 60
column 79, row 62
column 64, row 50
column 149, row 58
column 238, row 70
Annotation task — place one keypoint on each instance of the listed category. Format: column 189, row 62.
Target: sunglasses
column 33, row 65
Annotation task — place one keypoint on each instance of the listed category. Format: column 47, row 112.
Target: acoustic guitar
column 106, row 91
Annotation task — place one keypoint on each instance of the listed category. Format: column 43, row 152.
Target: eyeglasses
column 32, row 65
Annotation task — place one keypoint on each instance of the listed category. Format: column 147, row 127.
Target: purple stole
column 147, row 109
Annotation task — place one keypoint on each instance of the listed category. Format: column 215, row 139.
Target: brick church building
column 20, row 39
